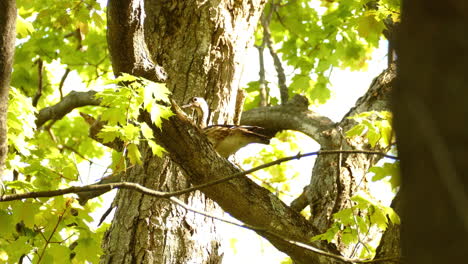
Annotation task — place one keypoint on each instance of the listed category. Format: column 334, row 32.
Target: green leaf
column 320, row 92
column 156, row 91
column 362, row 224
column 130, row 132
column 387, row 169
column 18, row 247
column 19, row 185
column 114, row 116
column 134, row 154
column 345, row 216
column 301, row 83
column 156, row 149
column 23, row 27
column 329, row 235
column 123, row 78
column 349, row 236
column 379, row 217
column 146, row 131
column 357, row 130
column 25, row 211
column 158, row 113
column 362, row 200
column 373, row 136
column 392, row 215
column 7, row 224
column 109, row 133
column 369, row 28
column 58, row 252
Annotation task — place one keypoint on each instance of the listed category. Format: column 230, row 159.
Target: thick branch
column 71, row 101
column 126, row 41
column 241, row 197
column 292, row 116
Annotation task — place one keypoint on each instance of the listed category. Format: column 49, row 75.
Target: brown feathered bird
column 226, row 139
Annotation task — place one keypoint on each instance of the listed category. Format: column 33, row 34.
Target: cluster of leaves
column 281, row 179
column 122, row 108
column 71, row 33
column 389, row 172
column 44, row 230
column 55, row 39
column 313, row 37
column 353, row 224
column 375, row 126
column 47, row 230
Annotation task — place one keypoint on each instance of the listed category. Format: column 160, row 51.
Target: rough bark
column 294, row 115
column 242, row 198
column 73, row 100
column 7, row 48
column 199, row 46
column 335, row 179
column 432, row 129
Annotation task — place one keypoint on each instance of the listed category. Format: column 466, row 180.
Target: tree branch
column 112, row 181
column 292, row 116
column 240, row 197
column 128, row 37
column 71, row 101
column 40, row 69
column 276, row 60
column 84, row 197
column 263, row 85
column 7, row 49
column 279, row 236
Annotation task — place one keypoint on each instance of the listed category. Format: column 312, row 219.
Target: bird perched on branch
column 226, row 139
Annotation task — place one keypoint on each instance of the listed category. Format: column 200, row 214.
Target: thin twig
column 40, row 69
column 284, row 93
column 137, row 187
column 51, row 235
column 263, row 86
column 62, row 82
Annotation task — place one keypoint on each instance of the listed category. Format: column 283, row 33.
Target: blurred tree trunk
column 7, row 48
column 431, row 121
column 199, row 44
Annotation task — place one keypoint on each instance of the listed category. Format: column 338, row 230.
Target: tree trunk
column 200, row 46
column 337, row 178
column 430, row 105
column 7, row 48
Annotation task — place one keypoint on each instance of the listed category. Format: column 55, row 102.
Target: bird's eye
column 194, row 99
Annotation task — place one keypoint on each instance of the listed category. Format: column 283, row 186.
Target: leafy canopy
column 314, row 37
column 61, row 46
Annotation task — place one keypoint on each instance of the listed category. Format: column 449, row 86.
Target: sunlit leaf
column 23, row 27
column 134, row 154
